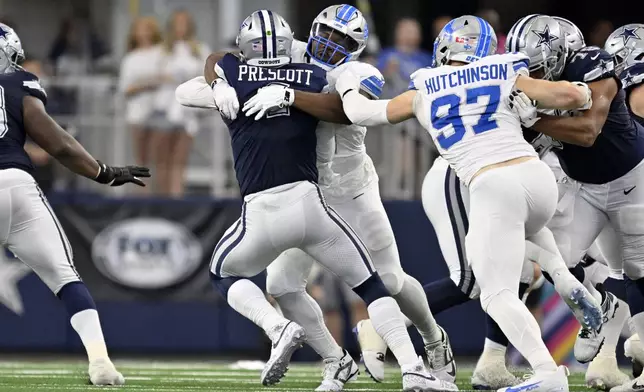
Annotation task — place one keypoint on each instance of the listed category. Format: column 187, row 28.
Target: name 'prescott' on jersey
column 620, row 145
column 13, row 88
column 280, row 148
column 465, row 111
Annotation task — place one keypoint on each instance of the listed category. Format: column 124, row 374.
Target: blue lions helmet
column 465, row 39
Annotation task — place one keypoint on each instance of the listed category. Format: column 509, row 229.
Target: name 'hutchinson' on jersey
column 280, row 148
column 465, row 111
column 14, row 87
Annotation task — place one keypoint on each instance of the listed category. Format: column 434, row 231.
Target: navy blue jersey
column 620, row 145
column 13, row 88
column 279, row 148
column 633, row 77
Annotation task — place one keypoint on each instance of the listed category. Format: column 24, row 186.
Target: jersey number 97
column 453, row 116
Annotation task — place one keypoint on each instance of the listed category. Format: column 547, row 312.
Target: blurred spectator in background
column 599, row 32
column 43, row 163
column 182, row 58
column 76, row 49
column 397, row 63
column 140, row 78
column 438, row 24
column 494, row 19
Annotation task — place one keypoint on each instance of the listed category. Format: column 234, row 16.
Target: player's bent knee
column 277, row 285
column 376, row 232
column 371, row 289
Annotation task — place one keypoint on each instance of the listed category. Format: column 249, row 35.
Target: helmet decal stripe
column 271, row 17
column 482, row 44
column 268, row 34
column 263, row 24
column 515, row 42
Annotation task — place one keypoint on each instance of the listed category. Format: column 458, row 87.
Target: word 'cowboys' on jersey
column 465, row 111
column 620, row 145
column 14, row 87
column 280, row 148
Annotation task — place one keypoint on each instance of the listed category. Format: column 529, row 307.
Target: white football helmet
column 574, row 37
column 623, row 41
column 265, row 39
column 466, row 39
column 338, row 29
column 11, row 53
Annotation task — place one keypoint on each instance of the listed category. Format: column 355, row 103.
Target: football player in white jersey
column 464, row 104
column 350, row 184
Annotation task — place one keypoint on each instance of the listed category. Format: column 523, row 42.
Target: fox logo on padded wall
column 146, row 253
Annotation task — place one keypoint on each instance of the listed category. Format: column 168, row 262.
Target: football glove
column 117, row 176
column 225, row 99
column 589, row 95
column 270, row 97
column 524, row 107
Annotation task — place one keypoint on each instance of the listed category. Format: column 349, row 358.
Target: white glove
column 524, row 107
column 589, row 95
column 347, row 81
column 270, row 97
column 225, row 99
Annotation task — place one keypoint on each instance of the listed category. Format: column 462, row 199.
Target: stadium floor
column 141, row 375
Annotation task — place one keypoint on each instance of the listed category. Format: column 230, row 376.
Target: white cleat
column 636, row 385
column 441, row 359
column 102, row 372
column 556, row 381
column 415, row 378
column 338, row 372
column 492, row 374
column 634, row 349
column 286, row 337
column 615, row 312
column 604, row 374
column 372, row 349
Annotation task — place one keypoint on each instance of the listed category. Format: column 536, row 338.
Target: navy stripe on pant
column 233, row 244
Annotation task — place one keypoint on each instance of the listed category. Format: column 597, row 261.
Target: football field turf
column 141, row 375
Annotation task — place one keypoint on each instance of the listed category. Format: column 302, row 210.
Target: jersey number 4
column 453, row 116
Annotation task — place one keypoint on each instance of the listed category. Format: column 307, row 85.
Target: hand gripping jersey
column 280, row 148
column 13, row 88
column 464, row 109
column 620, row 145
column 351, row 164
column 632, row 77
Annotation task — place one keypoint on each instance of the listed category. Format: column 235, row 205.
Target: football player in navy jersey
column 29, row 226
column 275, row 162
column 603, row 149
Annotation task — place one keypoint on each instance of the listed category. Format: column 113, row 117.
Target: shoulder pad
column 589, row 64
column 420, row 74
column 633, row 76
column 520, row 62
column 371, row 80
column 298, row 51
column 229, row 66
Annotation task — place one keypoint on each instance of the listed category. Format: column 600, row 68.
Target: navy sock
column 493, row 331
column 222, row 285
column 371, row 289
column 616, row 287
column 444, row 294
column 635, row 295
column 76, row 298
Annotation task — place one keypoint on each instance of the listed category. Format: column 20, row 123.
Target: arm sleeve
column 363, row 111
column 195, row 93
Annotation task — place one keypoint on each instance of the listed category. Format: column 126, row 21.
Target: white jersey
column 341, row 148
column 465, row 110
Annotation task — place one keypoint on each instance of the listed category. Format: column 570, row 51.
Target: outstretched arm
column 45, row 132
column 362, row 111
column 553, row 95
column 582, row 130
column 326, row 107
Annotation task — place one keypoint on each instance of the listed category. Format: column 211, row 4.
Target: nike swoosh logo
column 358, row 196
column 453, row 371
column 528, row 387
column 627, row 191
column 594, row 57
column 281, row 335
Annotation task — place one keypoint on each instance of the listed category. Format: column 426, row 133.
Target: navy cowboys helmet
column 574, row 37
column 623, row 41
column 636, row 56
column 541, row 38
column 339, row 34
column 11, row 53
column 265, row 39
column 465, row 39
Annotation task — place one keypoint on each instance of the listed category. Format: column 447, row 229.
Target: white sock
column 88, row 327
column 387, row 321
column 248, row 300
column 588, row 284
column 521, row 328
column 493, row 349
column 637, row 324
column 302, row 308
column 413, row 304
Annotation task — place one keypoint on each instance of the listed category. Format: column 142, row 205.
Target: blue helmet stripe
column 344, row 13
column 263, row 24
column 488, row 38
column 480, row 45
column 273, row 35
